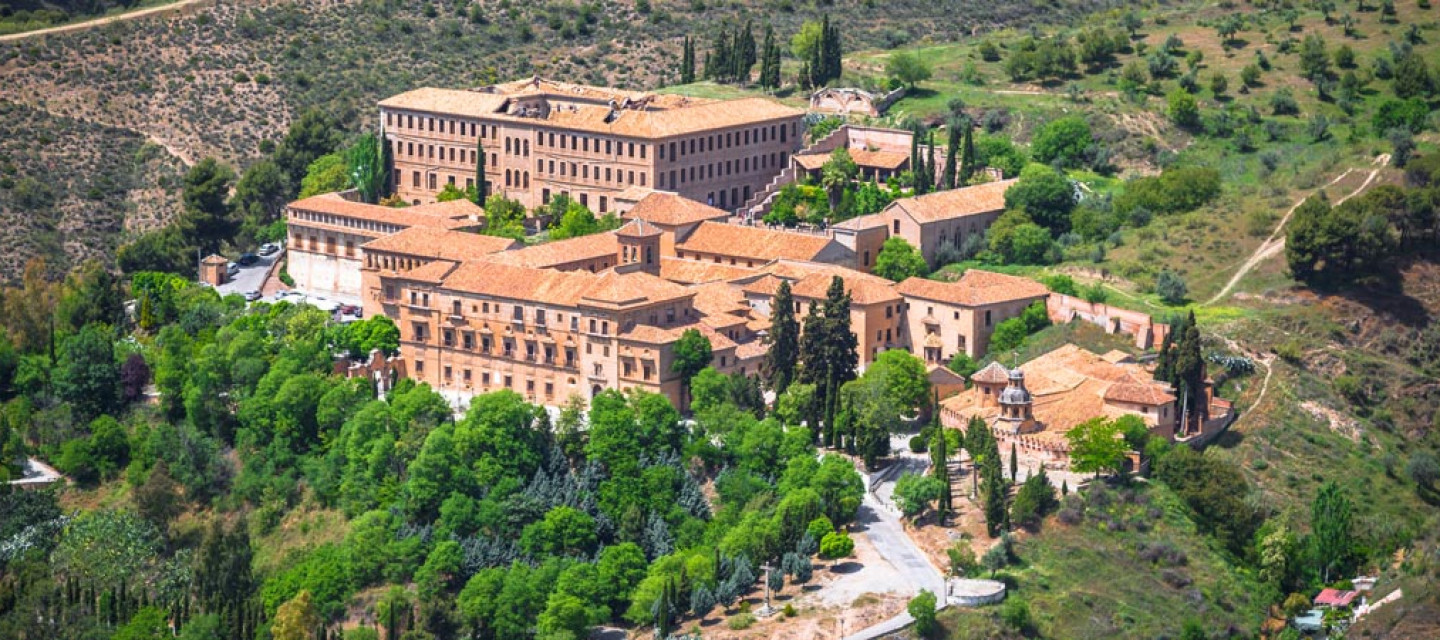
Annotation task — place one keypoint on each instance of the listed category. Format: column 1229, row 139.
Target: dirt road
column 64, row 28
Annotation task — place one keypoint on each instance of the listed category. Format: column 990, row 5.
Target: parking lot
column 251, row 278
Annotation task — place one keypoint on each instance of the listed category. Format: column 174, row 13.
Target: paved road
column 250, row 278
column 881, row 522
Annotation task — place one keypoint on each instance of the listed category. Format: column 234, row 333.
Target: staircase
column 759, row 204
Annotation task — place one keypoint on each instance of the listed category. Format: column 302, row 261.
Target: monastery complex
column 573, row 317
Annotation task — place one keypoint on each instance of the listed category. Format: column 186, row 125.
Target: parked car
column 357, row 311
column 269, row 248
column 252, row 295
column 231, row 268
column 247, row 259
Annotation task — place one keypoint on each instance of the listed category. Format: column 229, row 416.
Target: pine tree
column 784, row 341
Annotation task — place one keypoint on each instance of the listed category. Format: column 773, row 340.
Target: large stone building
column 572, row 317
column 928, row 222
column 946, row 318
column 543, row 138
column 1036, row 404
column 325, row 233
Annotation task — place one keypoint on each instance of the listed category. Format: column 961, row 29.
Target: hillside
column 223, row 80
column 70, row 189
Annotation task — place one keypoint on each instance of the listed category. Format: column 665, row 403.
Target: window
column 987, row 317
column 455, row 307
column 896, row 227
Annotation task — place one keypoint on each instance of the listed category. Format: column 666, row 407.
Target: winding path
column 77, row 26
column 1276, row 242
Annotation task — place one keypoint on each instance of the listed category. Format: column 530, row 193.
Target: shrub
column 835, row 545
column 741, row 621
column 918, row 444
column 1170, row 287
column 1015, row 613
column 922, row 608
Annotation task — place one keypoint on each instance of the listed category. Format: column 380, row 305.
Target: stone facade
column 544, row 138
column 325, row 233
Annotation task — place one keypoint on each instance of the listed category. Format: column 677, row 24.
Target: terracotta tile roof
column 751, row 350
column 646, row 116
column 765, row 285
column 638, row 228
column 864, row 288
column 940, row 374
column 545, row 286
column 450, row 209
column 662, row 207
column 1335, row 598
column 609, row 288
column 863, row 157
column 955, row 203
column 334, row 204
column 471, row 104
column 720, row 298
column 697, row 272
column 993, row 372
column 975, row 288
column 861, row 222
column 651, row 334
column 1139, row 393
column 1069, row 385
column 757, row 243
column 1116, row 356
column 431, row 272
column 458, row 246
column 561, row 252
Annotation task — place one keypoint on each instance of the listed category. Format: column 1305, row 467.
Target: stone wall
column 1142, row 327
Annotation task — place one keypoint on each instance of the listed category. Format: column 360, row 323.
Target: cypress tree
column 930, row 164
column 687, row 61
column 481, row 190
column 994, row 501
column 967, row 155
column 1190, row 370
column 784, row 341
column 1014, row 463
column 952, row 149
column 814, row 70
column 745, row 56
column 915, row 160
column 770, row 61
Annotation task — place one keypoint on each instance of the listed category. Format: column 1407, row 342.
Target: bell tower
column 1016, row 405
column 639, row 246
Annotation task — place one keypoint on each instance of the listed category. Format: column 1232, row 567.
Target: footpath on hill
column 1276, row 242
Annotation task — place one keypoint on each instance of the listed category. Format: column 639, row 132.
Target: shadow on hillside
column 1384, row 294
column 1228, row 440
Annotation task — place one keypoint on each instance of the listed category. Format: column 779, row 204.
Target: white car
column 269, row 248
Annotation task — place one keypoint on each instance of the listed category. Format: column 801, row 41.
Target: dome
column 1014, row 395
column 1016, row 392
